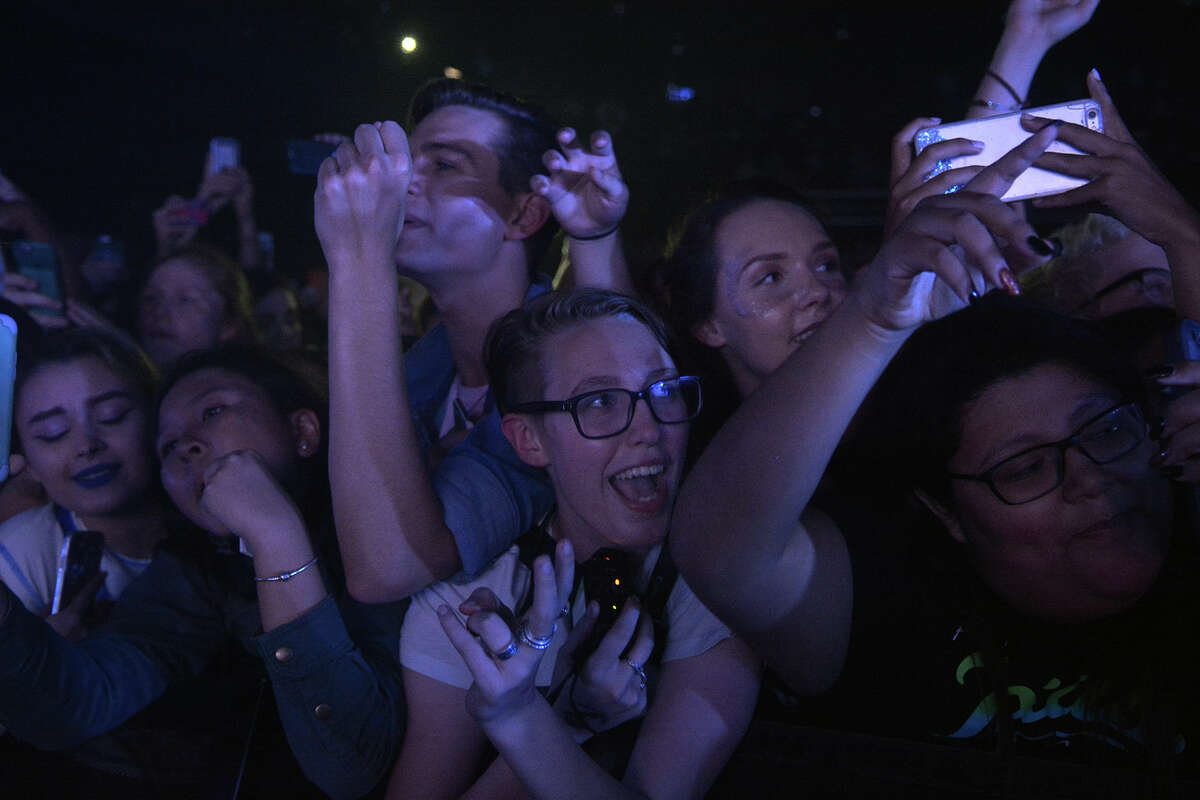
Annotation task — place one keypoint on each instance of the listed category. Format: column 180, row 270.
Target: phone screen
column 39, row 262
column 79, row 561
column 8, row 373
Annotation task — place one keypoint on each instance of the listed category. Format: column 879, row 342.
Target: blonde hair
column 1057, row 285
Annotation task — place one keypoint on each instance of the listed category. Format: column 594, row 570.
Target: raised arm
column 752, row 526
column 1031, row 28
column 1125, row 181
column 588, row 198
column 393, row 537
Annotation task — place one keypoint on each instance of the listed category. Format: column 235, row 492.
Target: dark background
column 109, row 107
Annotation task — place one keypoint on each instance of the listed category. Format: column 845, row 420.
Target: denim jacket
column 333, row 670
column 489, row 497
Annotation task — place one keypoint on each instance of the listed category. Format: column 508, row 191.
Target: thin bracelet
column 287, row 576
column 1008, row 86
column 606, row 234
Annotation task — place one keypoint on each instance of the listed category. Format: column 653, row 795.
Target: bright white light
column 408, row 44
column 453, row 72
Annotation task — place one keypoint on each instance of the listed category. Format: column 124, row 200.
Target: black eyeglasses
column 609, row 412
column 1034, row 473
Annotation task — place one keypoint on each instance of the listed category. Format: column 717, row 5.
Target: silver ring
column 566, row 609
column 508, row 652
column 637, row 668
column 525, row 637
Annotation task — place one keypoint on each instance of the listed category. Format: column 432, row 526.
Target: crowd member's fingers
column 619, row 635
column 643, row 643
column 997, row 177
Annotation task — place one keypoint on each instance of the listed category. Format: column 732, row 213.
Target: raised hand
column 361, row 194
column 504, row 668
column 1179, row 442
column 230, row 185
column 584, row 187
column 69, row 623
column 953, row 246
column 908, row 184
column 23, row 291
column 1122, row 178
column 1044, row 23
column 607, row 689
column 176, row 223
column 242, row 496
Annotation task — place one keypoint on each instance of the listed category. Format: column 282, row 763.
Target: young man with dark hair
column 460, row 208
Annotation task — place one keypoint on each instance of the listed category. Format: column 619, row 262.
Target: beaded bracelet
column 1008, row 87
column 286, row 576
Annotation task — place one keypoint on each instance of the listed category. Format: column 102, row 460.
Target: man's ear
column 530, row 212
column 306, row 432
column 709, row 333
column 525, row 439
column 949, row 520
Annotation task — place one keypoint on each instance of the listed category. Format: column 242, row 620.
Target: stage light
column 453, row 72
column 408, row 44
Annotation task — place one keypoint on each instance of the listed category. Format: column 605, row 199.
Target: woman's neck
column 585, row 540
column 134, row 533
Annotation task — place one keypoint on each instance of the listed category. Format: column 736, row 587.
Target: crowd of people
column 446, row 526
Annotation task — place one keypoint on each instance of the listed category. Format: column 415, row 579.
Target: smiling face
column 777, row 279
column 209, row 414
column 457, row 211
column 181, row 311
column 1086, row 550
column 86, row 436
column 619, row 491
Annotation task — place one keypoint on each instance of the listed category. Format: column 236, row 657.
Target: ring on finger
column 508, row 651
column 526, row 637
column 637, row 668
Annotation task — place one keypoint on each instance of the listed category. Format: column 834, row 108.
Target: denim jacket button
column 283, row 655
column 323, row 711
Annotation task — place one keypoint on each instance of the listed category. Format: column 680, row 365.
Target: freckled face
column 778, row 279
column 456, row 211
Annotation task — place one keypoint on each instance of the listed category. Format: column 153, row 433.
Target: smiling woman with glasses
column 553, row 654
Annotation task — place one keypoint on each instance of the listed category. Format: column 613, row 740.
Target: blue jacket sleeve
column 489, row 496
column 57, row 695
column 339, row 698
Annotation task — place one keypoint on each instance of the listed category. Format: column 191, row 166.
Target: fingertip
column 443, row 610
column 1094, row 75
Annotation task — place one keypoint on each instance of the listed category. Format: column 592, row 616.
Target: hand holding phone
column 223, row 153
column 78, row 564
column 1002, row 133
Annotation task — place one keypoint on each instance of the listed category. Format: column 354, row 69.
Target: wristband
column 595, row 237
column 979, row 101
column 286, row 576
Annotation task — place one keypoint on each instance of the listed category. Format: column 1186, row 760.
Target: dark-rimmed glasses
column 602, row 413
column 1034, row 473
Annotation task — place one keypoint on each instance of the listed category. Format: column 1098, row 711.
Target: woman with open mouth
column 588, row 393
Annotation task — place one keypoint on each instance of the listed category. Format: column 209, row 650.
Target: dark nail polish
column 1173, row 471
column 974, row 297
column 1039, row 246
column 1056, row 245
column 1160, row 371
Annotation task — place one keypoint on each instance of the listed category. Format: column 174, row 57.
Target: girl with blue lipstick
column 81, row 411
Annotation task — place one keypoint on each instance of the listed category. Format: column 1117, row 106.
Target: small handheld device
column 39, row 262
column 223, row 153
column 78, row 563
column 1002, row 133
column 8, row 374
column 606, row 579
column 305, row 155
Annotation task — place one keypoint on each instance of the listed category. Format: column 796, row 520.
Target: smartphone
column 305, row 155
column 1002, row 133
column 223, row 153
column 8, row 374
column 39, row 262
column 78, row 563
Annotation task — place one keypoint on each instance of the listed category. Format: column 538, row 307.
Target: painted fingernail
column 977, row 145
column 1039, row 246
column 1173, row 471
column 1095, row 73
column 1160, row 371
column 1009, row 282
column 974, row 297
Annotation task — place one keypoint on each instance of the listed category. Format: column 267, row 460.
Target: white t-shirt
column 30, row 544
column 473, row 400
column 691, row 628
